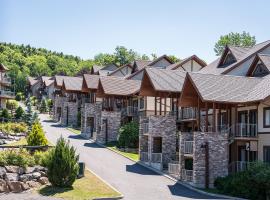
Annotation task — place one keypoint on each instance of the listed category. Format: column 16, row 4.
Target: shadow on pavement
column 92, row 145
column 77, row 137
column 56, row 125
column 182, row 191
column 48, row 120
column 138, row 169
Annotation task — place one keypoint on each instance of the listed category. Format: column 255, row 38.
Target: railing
column 6, row 93
column 187, row 175
column 244, row 130
column 174, row 168
column 144, row 156
column 145, row 127
column 239, row 166
column 132, row 110
column 156, row 157
column 6, row 81
column 187, row 113
column 188, row 147
column 218, row 129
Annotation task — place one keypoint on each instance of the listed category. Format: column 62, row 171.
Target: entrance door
column 59, row 112
column 90, row 123
column 242, row 158
column 157, row 145
column 242, row 123
column 266, row 154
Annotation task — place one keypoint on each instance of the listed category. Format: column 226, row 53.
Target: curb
column 172, row 178
column 106, row 198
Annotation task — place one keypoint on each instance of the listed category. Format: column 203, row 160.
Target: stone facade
column 58, row 105
column 218, row 156
column 159, row 126
column 110, row 120
column 90, row 110
column 70, row 114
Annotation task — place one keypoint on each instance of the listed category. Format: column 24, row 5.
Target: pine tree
column 29, row 113
column 36, row 137
column 62, row 165
column 19, row 113
column 44, row 106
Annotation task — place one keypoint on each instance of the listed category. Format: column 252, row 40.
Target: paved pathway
column 132, row 180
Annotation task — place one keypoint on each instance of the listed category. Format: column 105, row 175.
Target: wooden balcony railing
column 188, row 147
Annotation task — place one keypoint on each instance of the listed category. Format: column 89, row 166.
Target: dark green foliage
column 236, row 39
column 5, row 115
column 44, row 106
column 19, row 113
column 50, row 104
column 19, row 96
column 19, row 157
column 36, row 137
column 253, row 183
column 62, row 165
column 129, row 135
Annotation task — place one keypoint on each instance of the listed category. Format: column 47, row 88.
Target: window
column 142, row 103
column 266, row 154
column 266, row 117
column 260, row 70
column 229, row 59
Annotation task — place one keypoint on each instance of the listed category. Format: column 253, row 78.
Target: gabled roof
column 120, row 68
column 117, row 86
column 242, row 55
column 91, row 81
column 162, row 80
column 32, row 81
column 227, row 88
column 96, row 68
column 110, row 67
column 3, row 67
column 73, row 84
column 264, row 58
column 141, row 64
column 160, row 58
column 182, row 62
column 46, row 80
column 58, row 80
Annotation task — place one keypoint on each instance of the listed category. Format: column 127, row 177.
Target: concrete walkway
column 134, row 181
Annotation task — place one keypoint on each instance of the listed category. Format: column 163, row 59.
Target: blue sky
column 172, row 27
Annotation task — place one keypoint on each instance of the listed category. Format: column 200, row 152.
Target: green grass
column 132, row 156
column 88, row 187
column 76, row 131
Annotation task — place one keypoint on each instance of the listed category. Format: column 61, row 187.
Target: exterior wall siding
column 70, row 114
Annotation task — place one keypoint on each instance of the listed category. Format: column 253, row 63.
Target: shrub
column 62, row 165
column 50, row 104
column 16, row 157
column 44, row 106
column 129, row 135
column 13, row 127
column 19, row 96
column 5, row 114
column 36, row 137
column 12, row 105
column 19, row 113
column 41, row 158
column 253, row 183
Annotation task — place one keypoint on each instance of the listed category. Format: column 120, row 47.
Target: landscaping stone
column 25, row 186
column 43, row 174
column 3, row 186
column 40, row 168
column 30, row 170
column 36, row 175
column 3, row 172
column 33, row 184
column 14, row 169
column 43, row 180
column 26, row 177
column 15, row 186
column 12, row 177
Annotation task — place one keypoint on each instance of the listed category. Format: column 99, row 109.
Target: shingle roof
column 142, row 64
column 242, row 55
column 32, row 80
column 91, row 81
column 59, row 80
column 119, row 69
column 265, row 59
column 182, row 62
column 73, row 83
column 118, row 86
column 239, row 52
column 96, row 68
column 232, row 89
column 166, row 80
column 47, row 80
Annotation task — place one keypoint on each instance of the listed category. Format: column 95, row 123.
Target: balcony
column 145, row 128
column 188, row 147
column 174, row 168
column 243, row 130
column 187, row 114
column 130, row 111
column 187, row 175
column 7, row 94
column 6, row 81
column 239, row 166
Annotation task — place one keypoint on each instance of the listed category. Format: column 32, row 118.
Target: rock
column 40, row 168
column 29, row 170
column 43, row 174
column 3, row 186
column 3, row 172
column 32, row 184
column 43, row 180
column 26, row 177
column 12, row 177
column 15, row 186
column 36, row 175
column 25, row 186
column 14, row 169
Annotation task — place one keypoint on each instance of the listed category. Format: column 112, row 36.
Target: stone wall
column 113, row 119
column 218, row 157
column 70, row 119
column 90, row 110
column 184, row 136
column 160, row 126
column 58, row 102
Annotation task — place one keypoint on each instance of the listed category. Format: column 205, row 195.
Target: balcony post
column 155, row 105
column 214, row 117
column 206, row 117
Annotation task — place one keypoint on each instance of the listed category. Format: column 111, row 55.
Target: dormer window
column 260, row 70
column 229, row 59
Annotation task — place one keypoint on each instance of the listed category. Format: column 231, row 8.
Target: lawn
column 76, row 131
column 88, row 187
column 132, row 156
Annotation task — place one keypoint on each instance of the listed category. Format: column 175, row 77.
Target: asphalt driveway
column 134, row 181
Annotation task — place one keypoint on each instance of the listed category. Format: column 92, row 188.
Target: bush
column 20, row 158
column 12, row 105
column 50, row 104
column 19, row 113
column 41, row 158
column 19, row 96
column 62, row 165
column 10, row 127
column 253, row 183
column 36, row 137
column 129, row 135
column 5, row 114
column 44, row 106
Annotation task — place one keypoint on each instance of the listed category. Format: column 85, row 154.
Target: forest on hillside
column 24, row 61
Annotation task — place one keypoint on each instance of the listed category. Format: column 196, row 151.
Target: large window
column 266, row 154
column 141, row 103
column 266, row 117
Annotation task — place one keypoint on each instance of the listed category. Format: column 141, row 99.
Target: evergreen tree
column 19, row 113
column 62, row 165
column 36, row 137
column 29, row 113
column 44, row 106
